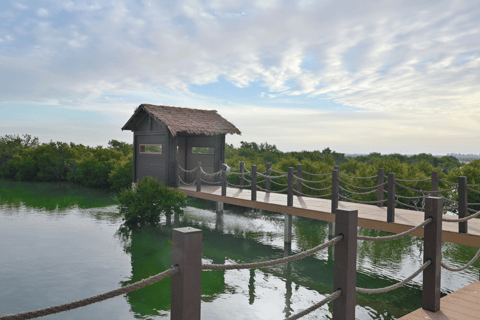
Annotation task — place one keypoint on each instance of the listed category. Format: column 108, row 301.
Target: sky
column 355, row 76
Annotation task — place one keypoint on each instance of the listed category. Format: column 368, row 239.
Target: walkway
column 369, row 216
column 463, row 304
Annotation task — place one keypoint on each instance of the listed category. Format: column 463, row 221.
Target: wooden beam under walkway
column 369, row 216
column 463, row 304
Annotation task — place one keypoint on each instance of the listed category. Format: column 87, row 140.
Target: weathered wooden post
column 199, row 177
column 242, row 170
column 176, row 182
column 344, row 266
column 391, row 198
column 432, row 241
column 335, row 192
column 186, row 284
column 268, row 173
column 462, row 204
column 288, row 217
column 223, row 184
column 299, row 178
column 434, row 183
column 380, row 180
column 335, row 189
column 254, row 183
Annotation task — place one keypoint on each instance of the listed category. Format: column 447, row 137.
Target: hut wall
column 151, row 131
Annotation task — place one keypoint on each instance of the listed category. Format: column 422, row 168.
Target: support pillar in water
column 331, row 229
column 219, row 207
column 288, row 228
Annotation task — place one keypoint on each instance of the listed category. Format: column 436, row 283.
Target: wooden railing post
column 391, row 198
column 176, row 181
column 335, row 187
column 242, row 170
column 224, row 180
column 290, row 187
column 344, row 266
column 432, row 239
column 462, row 204
column 299, row 178
column 254, row 183
column 268, row 173
column 380, row 180
column 199, row 176
column 186, row 284
column 434, row 183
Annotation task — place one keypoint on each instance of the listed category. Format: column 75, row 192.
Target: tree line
column 24, row 158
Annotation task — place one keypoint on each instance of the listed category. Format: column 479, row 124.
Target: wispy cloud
column 413, row 64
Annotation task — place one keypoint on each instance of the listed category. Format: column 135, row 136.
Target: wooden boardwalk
column 369, row 216
column 463, row 304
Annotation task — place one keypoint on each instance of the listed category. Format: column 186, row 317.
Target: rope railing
column 315, row 189
column 397, row 285
column 422, row 180
column 210, row 174
column 312, row 181
column 454, row 183
column 280, row 184
column 462, row 219
column 318, row 174
column 363, row 188
column 471, row 189
column 359, row 193
column 87, row 301
column 270, row 176
column 469, row 264
column 281, row 172
column 408, row 206
column 238, row 185
column 312, row 196
column 187, row 184
column 361, row 201
column 270, row 263
column 188, row 171
column 210, row 182
column 396, row 236
column 342, row 174
column 423, row 191
column 327, row 299
column 418, row 197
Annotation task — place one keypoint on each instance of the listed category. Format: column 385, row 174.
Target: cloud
column 394, row 59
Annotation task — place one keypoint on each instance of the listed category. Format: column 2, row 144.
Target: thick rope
column 210, row 182
column 272, row 262
column 368, row 192
column 424, row 191
column 327, row 299
column 280, row 184
column 318, row 174
column 449, row 199
column 396, row 236
column 414, row 180
column 465, row 266
column 238, row 185
column 187, row 170
column 447, row 181
column 409, row 206
column 210, row 174
column 419, row 197
column 473, row 190
column 363, row 188
column 94, row 299
column 462, row 219
column 361, row 201
column 397, row 285
column 303, row 184
column 277, row 171
column 311, row 196
column 359, row 177
column 313, row 181
column 261, row 181
column 187, row 184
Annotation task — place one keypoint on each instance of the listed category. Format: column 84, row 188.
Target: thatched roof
column 193, row 121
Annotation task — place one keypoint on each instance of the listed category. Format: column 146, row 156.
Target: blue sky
column 358, row 77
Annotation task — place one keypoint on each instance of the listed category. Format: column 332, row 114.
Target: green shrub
column 145, row 203
column 121, row 176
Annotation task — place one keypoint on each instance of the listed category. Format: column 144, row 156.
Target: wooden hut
column 162, row 135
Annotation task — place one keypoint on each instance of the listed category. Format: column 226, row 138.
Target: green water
column 61, row 243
